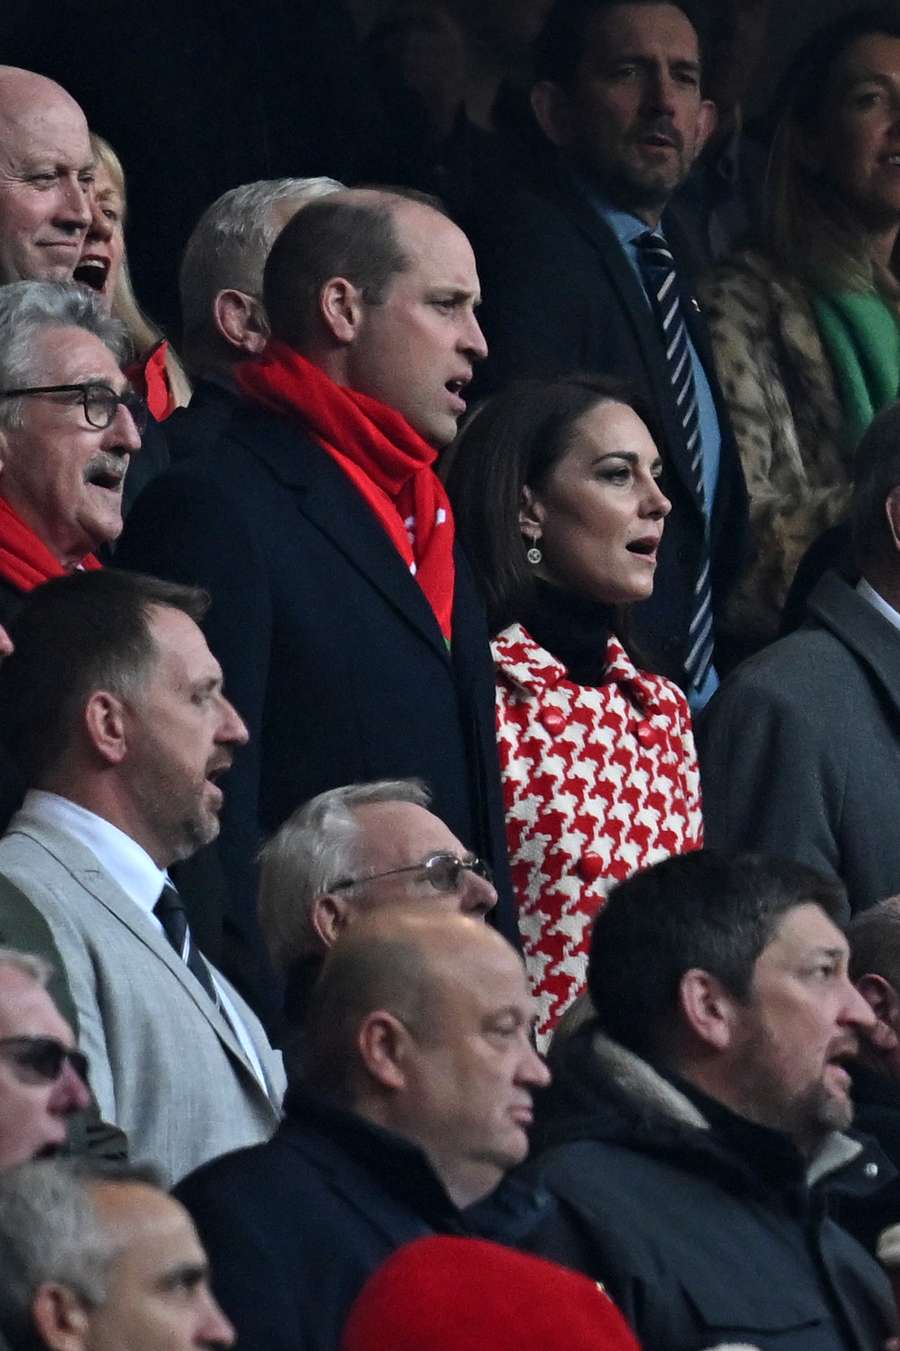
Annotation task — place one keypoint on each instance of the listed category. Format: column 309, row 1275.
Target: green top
column 861, row 337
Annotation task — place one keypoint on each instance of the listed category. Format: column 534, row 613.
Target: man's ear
column 330, row 915
column 382, row 1043
column 59, row 1317
column 241, row 320
column 341, row 308
column 707, row 121
column 881, row 996
column 532, row 514
column 552, row 110
column 707, row 1008
column 104, row 723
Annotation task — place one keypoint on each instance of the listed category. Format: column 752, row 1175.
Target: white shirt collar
column 868, row 592
column 119, row 855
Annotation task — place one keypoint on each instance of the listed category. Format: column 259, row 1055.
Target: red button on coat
column 591, row 867
column 646, row 734
column 553, row 720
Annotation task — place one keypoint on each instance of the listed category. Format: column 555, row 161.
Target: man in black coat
column 618, row 101
column 345, row 619
column 417, row 1075
column 696, row 1126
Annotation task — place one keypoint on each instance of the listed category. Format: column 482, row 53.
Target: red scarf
column 24, row 559
column 388, row 462
column 150, row 377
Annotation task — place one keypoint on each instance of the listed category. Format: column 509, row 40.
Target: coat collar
column 84, row 870
column 329, row 501
column 535, row 670
column 837, row 607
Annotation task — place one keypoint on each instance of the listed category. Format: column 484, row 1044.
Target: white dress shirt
column 135, row 873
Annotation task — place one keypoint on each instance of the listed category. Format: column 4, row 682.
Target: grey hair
column 316, row 847
column 28, row 964
column 50, row 1231
column 231, row 241
column 27, row 307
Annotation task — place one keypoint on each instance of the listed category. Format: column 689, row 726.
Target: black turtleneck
column 573, row 630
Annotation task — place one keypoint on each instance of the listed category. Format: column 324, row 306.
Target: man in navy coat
column 569, row 286
column 345, row 619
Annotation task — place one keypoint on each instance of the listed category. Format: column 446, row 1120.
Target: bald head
column 422, row 1025
column 46, row 169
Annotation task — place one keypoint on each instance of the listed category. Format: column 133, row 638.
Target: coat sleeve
column 793, row 496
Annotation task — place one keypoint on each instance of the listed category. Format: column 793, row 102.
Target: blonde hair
column 143, row 333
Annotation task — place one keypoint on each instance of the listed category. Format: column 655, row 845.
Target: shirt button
column 553, row 720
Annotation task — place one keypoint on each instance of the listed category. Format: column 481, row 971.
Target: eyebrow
column 455, row 294
column 186, row 1273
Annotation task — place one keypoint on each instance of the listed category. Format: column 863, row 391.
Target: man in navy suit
column 344, row 616
column 570, row 286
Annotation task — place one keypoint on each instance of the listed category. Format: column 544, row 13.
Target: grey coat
column 800, row 748
column 165, row 1066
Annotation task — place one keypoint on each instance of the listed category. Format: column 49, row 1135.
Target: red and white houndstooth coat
column 597, row 782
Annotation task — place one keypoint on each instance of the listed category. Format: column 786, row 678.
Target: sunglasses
column 41, row 1059
column 444, row 872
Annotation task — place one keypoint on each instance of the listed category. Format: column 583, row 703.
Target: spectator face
column 633, row 114
column 158, row 1295
column 104, row 244
column 798, row 1027
column 415, row 351
column 858, row 148
column 181, row 733
column 600, row 514
column 46, row 168
column 33, row 1108
column 63, row 476
column 394, row 838
column 471, row 1068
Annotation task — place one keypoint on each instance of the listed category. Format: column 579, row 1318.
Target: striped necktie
column 171, row 914
column 661, row 281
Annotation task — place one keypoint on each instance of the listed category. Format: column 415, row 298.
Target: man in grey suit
column 112, row 704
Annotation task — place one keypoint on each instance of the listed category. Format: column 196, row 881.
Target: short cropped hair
column 74, row 635
column 231, row 241
column 876, row 472
column 338, row 236
column 28, row 307
column 709, row 910
column 317, row 846
column 561, row 43
column 874, row 938
column 50, row 1231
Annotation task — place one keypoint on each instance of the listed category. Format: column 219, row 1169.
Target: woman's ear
column 531, row 514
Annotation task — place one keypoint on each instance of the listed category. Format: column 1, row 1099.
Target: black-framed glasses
column 444, row 872
column 100, row 403
column 41, row 1059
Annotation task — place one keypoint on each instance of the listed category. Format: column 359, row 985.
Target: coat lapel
column 85, row 870
column 327, row 499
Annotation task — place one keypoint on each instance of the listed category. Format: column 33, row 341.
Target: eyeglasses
column 444, row 872
column 41, row 1059
column 100, row 403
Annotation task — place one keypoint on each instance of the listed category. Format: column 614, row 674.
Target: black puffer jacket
column 702, row 1233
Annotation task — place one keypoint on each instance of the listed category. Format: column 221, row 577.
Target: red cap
column 464, row 1294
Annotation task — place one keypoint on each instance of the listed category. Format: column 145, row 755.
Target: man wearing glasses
column 69, row 424
column 42, row 1077
column 349, row 852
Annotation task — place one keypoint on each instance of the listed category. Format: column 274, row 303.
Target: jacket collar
column 836, row 606
column 330, row 502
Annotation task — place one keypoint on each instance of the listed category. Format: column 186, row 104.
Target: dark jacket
column 294, row 1227
column 331, row 652
column 697, row 1239
column 560, row 296
column 800, row 748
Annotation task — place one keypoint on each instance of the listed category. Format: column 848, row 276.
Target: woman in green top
column 805, row 328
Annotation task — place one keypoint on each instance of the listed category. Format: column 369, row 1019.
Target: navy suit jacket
column 330, row 650
column 560, row 296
